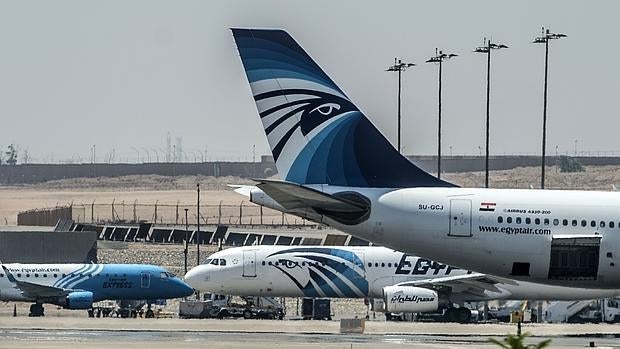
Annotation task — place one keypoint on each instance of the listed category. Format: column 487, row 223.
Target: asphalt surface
column 59, row 332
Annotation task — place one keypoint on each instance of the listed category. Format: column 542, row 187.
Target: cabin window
column 19, row 275
column 500, row 219
column 263, row 263
column 382, row 265
column 518, row 220
column 55, row 275
column 1, row 275
column 611, row 224
column 509, row 220
column 377, row 265
column 528, row 220
column 602, row 224
column 36, row 275
column 389, row 265
column 537, row 221
column 574, row 223
column 369, row 264
column 556, row 221
column 583, row 223
column 270, row 263
column 44, row 275
column 593, row 224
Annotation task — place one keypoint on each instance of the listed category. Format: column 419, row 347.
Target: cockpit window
column 215, row 261
column 163, row 275
column 222, row 261
column 208, row 261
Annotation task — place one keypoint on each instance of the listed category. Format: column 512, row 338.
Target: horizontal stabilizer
column 294, row 196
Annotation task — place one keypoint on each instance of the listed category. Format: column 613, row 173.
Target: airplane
column 77, row 286
column 338, row 169
column 399, row 281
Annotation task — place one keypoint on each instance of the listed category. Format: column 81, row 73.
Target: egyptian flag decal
column 487, row 206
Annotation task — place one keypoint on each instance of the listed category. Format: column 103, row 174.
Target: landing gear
column 149, row 314
column 36, row 310
column 461, row 315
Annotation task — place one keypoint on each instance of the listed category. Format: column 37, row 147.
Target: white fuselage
column 347, row 272
column 489, row 230
column 42, row 274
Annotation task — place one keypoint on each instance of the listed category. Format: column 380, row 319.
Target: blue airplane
column 77, row 286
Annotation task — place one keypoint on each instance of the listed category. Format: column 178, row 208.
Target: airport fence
column 237, row 214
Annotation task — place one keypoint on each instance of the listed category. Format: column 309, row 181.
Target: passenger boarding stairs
column 561, row 311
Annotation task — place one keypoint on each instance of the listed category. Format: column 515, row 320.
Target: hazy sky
column 122, row 74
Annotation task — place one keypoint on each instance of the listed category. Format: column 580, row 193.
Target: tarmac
column 75, row 332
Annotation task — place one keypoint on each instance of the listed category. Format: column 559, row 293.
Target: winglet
column 9, row 275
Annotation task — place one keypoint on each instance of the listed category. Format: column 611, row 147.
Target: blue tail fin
column 317, row 135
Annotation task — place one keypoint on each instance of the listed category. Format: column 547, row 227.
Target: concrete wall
column 36, row 173
column 44, row 217
column 48, row 247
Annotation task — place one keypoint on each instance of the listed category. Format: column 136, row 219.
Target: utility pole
column 544, row 39
column 486, row 49
column 399, row 66
column 439, row 57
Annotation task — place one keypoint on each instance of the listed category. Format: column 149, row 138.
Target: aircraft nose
column 196, row 277
column 185, row 290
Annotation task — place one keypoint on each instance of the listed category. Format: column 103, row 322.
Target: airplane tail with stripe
column 316, row 134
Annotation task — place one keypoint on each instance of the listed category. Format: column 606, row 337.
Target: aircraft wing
column 475, row 283
column 293, row 196
column 33, row 290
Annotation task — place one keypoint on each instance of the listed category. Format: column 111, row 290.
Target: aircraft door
column 460, row 217
column 145, row 280
column 249, row 263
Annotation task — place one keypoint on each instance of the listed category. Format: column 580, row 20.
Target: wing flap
column 475, row 282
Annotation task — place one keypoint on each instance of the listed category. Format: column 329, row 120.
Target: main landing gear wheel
column 460, row 315
column 36, row 310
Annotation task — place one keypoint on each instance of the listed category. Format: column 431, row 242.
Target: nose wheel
column 36, row 310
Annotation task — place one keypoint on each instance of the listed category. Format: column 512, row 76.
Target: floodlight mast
column 399, row 66
column 486, row 49
column 439, row 57
column 544, row 39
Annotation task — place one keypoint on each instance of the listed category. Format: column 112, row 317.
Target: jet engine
column 410, row 299
column 78, row 300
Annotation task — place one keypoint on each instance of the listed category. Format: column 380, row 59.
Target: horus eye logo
column 289, row 264
column 311, row 107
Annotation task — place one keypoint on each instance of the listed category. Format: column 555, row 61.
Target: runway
column 75, row 333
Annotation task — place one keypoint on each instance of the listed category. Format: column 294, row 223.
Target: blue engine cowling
column 79, row 300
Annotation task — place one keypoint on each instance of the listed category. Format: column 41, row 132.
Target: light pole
column 399, row 66
column 486, row 49
column 198, row 224
column 439, row 57
column 544, row 39
column 186, row 239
